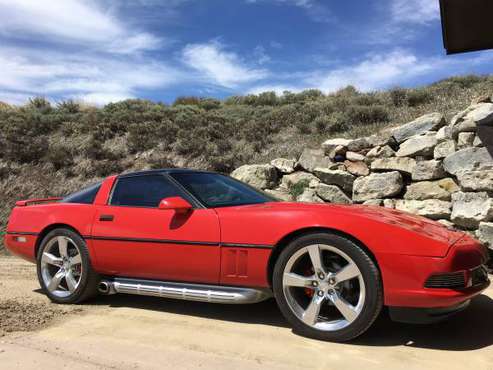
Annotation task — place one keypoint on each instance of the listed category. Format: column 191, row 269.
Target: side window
column 143, row 191
column 85, row 196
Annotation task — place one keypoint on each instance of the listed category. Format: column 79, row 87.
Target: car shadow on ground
column 469, row 330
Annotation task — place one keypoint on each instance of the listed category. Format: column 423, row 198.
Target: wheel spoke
column 292, row 279
column 311, row 313
column 345, row 308
column 75, row 260
column 316, row 258
column 62, row 246
column 71, row 282
column 55, row 281
column 348, row 272
column 51, row 259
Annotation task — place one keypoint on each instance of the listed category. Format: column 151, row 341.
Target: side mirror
column 178, row 204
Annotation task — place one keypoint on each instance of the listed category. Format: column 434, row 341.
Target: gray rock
column 465, row 139
column 445, row 133
column 441, row 189
column 448, row 224
column 284, row 165
column 354, row 157
column 468, row 159
column 428, row 170
column 359, row 144
column 485, row 233
column 482, row 114
column 431, row 208
column 313, row 158
column 444, row 149
column 377, row 185
column 332, row 194
column 422, row 145
column 329, row 146
column 258, row 176
column 309, row 196
column 382, row 138
column 374, row 202
column 280, row 193
column 357, row 168
column 405, row 165
column 340, row 178
column 381, row 152
column 476, row 180
column 477, row 141
column 469, row 209
column 288, row 181
column 389, row 203
column 429, row 122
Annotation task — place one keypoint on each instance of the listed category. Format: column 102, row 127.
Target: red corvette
column 204, row 236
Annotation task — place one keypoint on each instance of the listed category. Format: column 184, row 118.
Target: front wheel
column 64, row 267
column 327, row 287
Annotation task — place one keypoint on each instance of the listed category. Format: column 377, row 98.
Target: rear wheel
column 327, row 287
column 64, row 267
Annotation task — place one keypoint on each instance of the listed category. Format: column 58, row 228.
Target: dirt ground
column 130, row 332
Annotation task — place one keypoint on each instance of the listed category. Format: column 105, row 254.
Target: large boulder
column 284, row 165
column 476, row 180
column 355, row 157
column 298, row 179
column 468, row 120
column 428, row 122
column 377, row 185
column 258, row 176
column 422, row 145
column 402, row 164
column 485, row 233
column 357, row 168
column 309, row 196
column 469, row 209
column 444, row 149
column 280, row 193
column 381, row 152
column 332, row 194
column 468, row 159
column 441, row 189
column 428, row 170
column 340, row 178
column 332, row 146
column 313, row 158
column 431, row 208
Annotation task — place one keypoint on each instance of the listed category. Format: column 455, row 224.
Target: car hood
column 389, row 216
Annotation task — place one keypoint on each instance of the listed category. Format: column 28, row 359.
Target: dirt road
column 127, row 332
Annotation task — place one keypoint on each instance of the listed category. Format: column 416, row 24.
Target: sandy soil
column 129, row 332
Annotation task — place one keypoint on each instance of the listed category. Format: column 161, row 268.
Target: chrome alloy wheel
column 323, row 287
column 61, row 266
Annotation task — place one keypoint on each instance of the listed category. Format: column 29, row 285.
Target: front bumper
column 410, row 315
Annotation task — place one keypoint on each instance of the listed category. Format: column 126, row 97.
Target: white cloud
column 375, row 72
column 278, row 89
column 315, row 9
column 219, row 66
column 415, row 11
column 28, row 72
column 71, row 21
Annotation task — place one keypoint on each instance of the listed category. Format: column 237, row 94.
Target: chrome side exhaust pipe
column 185, row 291
column 106, row 287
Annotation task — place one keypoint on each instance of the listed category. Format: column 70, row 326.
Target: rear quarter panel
column 31, row 221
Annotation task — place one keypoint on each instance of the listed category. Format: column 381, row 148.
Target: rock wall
column 429, row 167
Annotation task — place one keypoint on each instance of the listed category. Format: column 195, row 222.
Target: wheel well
column 279, row 247
column 49, row 228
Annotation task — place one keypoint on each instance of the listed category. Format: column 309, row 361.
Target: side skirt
column 185, row 291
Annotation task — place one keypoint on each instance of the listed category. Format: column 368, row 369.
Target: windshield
column 215, row 190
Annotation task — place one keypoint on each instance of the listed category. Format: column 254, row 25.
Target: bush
column 59, row 156
column 419, row 97
column 398, row 97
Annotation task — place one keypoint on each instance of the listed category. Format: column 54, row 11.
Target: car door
column 132, row 237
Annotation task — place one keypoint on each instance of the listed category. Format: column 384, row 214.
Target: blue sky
column 108, row 50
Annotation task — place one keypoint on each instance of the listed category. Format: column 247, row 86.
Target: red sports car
column 204, row 236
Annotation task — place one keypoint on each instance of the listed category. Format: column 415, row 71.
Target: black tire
column 89, row 279
column 374, row 292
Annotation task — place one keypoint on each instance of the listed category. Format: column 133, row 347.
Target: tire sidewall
column 371, row 277
column 86, row 265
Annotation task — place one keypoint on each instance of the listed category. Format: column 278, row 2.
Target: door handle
column 106, row 218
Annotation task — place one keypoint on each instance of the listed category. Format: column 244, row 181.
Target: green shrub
column 59, row 156
column 419, row 97
column 297, row 189
column 398, row 97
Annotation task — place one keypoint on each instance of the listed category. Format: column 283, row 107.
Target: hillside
column 53, row 150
